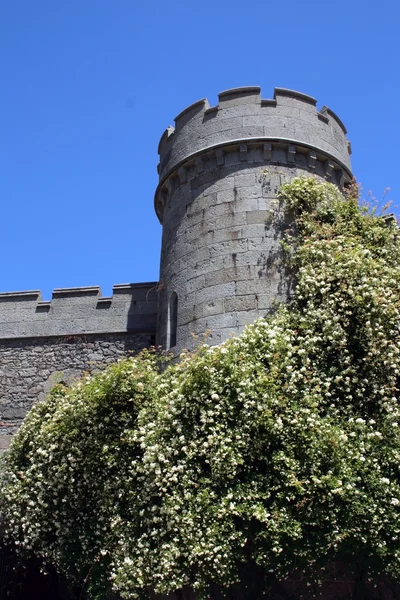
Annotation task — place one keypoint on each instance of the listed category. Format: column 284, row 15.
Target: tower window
column 172, row 320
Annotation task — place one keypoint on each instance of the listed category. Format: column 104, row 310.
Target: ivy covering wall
column 280, row 448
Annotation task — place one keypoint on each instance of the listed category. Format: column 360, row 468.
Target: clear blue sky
column 88, row 87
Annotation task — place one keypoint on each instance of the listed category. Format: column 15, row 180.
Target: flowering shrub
column 280, row 448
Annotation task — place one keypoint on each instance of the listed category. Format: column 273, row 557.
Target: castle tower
column 220, row 169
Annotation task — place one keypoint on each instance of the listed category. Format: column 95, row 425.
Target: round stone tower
column 220, row 169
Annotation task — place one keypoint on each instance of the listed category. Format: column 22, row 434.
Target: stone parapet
column 242, row 115
column 75, row 311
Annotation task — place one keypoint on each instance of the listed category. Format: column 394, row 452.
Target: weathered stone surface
column 30, row 368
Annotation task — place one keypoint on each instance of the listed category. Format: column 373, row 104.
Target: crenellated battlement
column 242, row 115
column 77, row 311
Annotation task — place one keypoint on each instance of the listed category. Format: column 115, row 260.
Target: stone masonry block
column 225, row 196
column 261, row 217
column 255, row 258
column 261, row 287
column 223, row 334
column 246, row 197
column 231, row 220
column 264, row 301
column 288, row 110
column 255, row 230
column 233, row 260
column 220, row 154
column 207, row 309
column 191, row 260
column 228, row 247
column 226, row 275
column 219, row 211
column 232, row 158
column 214, row 322
column 203, row 267
column 186, row 315
column 291, row 153
column 218, row 185
column 239, row 303
column 243, row 152
column 186, row 300
column 182, row 174
column 197, row 215
column 220, row 125
column 215, row 291
column 246, row 317
column 198, row 183
column 195, row 283
column 199, row 164
column 264, row 204
column 255, row 243
column 245, row 179
column 193, row 231
column 223, row 235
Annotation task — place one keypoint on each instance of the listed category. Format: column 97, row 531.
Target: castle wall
column 220, row 171
column 78, row 331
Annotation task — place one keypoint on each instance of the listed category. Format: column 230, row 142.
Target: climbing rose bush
column 278, row 449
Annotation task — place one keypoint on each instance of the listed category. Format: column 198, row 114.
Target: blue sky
column 88, row 87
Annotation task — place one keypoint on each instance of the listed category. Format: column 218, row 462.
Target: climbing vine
column 279, row 448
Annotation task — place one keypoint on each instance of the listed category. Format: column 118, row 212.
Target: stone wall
column 30, row 368
column 79, row 331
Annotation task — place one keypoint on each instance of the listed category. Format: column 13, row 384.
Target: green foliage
column 279, row 448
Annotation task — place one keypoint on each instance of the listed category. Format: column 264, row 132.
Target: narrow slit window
column 173, row 319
